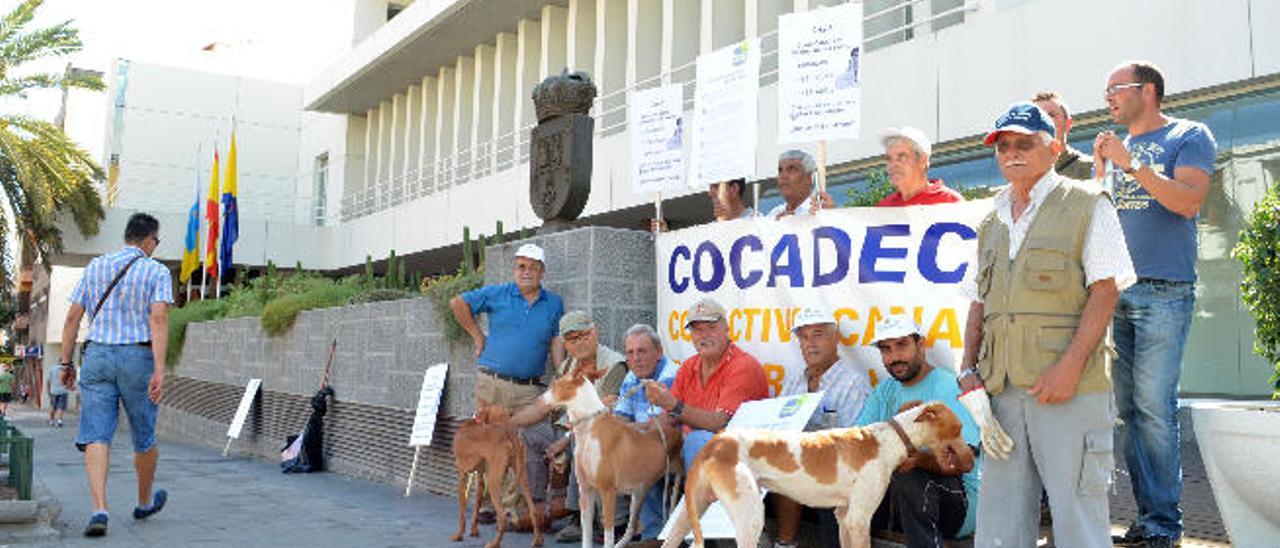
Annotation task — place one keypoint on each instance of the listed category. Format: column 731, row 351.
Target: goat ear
column 928, row 415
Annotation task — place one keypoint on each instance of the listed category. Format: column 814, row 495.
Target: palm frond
column 16, row 19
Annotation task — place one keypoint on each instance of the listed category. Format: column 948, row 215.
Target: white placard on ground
column 819, row 82
column 725, row 119
column 242, row 412
column 656, row 124
column 424, row 422
column 787, row 414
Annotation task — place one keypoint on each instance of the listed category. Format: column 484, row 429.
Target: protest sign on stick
column 424, row 421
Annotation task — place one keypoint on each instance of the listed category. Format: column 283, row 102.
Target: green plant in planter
column 1259, row 253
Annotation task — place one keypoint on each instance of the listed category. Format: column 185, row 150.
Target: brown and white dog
column 489, row 444
column 612, row 456
column 845, row 468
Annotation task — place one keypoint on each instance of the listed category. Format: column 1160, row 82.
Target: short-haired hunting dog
column 845, row 468
column 489, row 444
column 612, row 456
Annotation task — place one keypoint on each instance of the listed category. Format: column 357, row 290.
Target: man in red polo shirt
column 710, row 385
column 907, row 151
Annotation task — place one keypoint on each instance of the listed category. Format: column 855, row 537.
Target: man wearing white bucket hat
column 844, row 387
column 935, row 496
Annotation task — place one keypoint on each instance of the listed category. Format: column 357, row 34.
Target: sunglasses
column 1112, row 90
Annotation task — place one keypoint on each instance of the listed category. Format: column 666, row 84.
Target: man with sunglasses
column 127, row 295
column 1051, row 263
column 1160, row 179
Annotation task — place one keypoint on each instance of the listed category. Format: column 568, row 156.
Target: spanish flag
column 211, row 213
column 191, row 245
column 231, row 214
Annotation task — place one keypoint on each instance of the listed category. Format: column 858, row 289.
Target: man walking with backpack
column 128, row 294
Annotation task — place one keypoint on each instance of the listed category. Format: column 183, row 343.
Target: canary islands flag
column 230, row 212
column 191, row 244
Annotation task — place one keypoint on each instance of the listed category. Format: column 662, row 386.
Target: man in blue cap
column 1052, row 261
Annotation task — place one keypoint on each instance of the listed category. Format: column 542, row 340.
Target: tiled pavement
column 238, row 501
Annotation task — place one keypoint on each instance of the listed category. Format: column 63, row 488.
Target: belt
column 536, row 381
column 143, row 343
column 1158, row 281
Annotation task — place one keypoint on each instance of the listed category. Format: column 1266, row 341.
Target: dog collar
column 902, row 435
column 575, row 423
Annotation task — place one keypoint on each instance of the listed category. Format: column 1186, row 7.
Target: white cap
column 909, row 133
column 896, row 326
column 811, row 316
column 530, row 251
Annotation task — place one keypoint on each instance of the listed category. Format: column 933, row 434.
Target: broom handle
column 333, row 347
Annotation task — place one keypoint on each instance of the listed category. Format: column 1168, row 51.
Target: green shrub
column 278, row 315
column 379, row 295
column 443, row 289
column 877, row 186
column 1259, row 254
column 197, row 311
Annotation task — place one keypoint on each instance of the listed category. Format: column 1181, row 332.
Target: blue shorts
column 59, row 401
column 113, row 374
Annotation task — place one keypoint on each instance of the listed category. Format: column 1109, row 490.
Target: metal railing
column 610, row 109
column 17, row 452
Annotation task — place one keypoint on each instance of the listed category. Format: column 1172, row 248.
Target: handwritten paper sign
column 724, row 103
column 819, row 80
column 242, row 412
column 424, row 422
column 657, row 127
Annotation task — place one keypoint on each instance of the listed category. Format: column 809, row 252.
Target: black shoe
column 1163, row 542
column 157, row 504
column 97, row 526
column 1134, row 536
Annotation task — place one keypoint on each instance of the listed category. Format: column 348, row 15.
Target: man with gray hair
column 907, row 152
column 795, row 184
column 1051, row 255
column 647, row 362
column 1072, row 163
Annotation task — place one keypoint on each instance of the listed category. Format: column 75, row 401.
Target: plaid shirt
column 125, row 314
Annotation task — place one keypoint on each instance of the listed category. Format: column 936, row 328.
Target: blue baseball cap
column 1022, row 117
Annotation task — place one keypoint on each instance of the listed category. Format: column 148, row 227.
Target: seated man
column 606, row 367
column 710, row 385
column 931, row 498
column 844, row 388
column 645, row 358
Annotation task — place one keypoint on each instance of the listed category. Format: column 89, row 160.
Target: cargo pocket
column 984, row 275
column 1046, row 269
column 1098, row 463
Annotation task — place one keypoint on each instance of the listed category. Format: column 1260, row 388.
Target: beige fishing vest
column 1032, row 304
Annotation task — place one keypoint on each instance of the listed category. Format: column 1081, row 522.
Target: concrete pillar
column 555, row 41
column 581, row 36
column 370, row 156
column 354, row 171
column 644, row 29
column 611, row 64
column 383, row 145
column 446, row 98
column 395, row 144
column 528, row 48
column 464, row 103
column 482, row 114
column 504, row 104
column 412, row 135
column 430, row 100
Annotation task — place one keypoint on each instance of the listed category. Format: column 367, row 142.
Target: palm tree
column 43, row 174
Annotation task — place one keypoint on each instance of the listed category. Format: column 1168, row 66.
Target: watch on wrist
column 676, row 410
column 966, row 372
column 1134, row 165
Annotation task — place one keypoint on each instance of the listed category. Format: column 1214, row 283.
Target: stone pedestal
column 606, row 272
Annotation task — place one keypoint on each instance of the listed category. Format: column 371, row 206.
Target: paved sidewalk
column 237, row 501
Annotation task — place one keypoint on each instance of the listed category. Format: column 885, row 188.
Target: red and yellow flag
column 212, row 213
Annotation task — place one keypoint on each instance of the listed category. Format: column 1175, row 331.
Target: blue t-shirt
column 1162, row 243
column 519, row 333
column 633, row 404
column 939, row 385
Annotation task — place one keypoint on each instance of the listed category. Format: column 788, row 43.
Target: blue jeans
column 113, row 374
column 1150, row 328
column 651, row 520
column 693, row 442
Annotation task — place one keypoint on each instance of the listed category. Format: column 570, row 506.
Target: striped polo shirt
column 124, row 316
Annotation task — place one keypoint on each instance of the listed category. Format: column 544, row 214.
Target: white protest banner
column 242, row 412
column 788, row 414
column 859, row 263
column 424, row 422
column 725, row 119
column 819, row 88
column 656, row 125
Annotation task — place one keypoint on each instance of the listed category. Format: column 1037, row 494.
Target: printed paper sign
column 657, row 127
column 725, row 116
column 819, row 80
column 242, row 412
column 424, row 422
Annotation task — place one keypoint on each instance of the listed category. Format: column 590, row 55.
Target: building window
column 320, row 190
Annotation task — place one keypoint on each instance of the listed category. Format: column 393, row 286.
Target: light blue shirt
column 939, row 385
column 125, row 315
column 631, row 399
